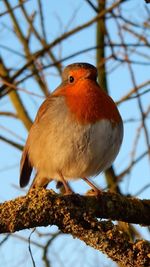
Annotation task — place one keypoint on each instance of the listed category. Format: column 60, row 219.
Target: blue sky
column 62, row 16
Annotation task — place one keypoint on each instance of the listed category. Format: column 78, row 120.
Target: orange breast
column 88, row 103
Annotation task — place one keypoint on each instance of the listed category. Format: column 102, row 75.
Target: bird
column 77, row 132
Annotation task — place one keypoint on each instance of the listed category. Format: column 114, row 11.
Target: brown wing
column 25, row 168
column 25, row 165
column 44, row 107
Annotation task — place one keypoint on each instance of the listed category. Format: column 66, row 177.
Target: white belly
column 75, row 150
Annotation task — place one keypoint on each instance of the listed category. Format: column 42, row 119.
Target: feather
column 25, row 168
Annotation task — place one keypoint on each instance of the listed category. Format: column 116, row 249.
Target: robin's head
column 83, row 96
column 77, row 71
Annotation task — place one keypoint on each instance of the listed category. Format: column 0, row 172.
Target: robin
column 77, row 132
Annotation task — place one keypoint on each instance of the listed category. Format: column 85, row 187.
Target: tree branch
column 12, row 143
column 77, row 215
column 15, row 98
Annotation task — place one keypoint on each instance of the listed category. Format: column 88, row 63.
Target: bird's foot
column 95, row 191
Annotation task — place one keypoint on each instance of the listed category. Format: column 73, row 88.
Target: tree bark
column 78, row 215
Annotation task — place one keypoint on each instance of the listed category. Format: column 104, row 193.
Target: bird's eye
column 71, row 79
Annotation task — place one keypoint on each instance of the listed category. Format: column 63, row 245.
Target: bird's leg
column 97, row 191
column 68, row 190
column 39, row 181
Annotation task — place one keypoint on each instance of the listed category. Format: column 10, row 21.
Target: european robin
column 77, row 132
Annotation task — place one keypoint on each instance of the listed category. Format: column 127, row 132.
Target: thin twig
column 30, row 251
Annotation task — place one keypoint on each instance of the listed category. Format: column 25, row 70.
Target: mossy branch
column 77, row 215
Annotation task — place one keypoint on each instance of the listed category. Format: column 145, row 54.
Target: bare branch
column 92, row 5
column 9, row 114
column 13, row 8
column 15, row 98
column 42, row 19
column 128, row 169
column 63, row 37
column 12, row 143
